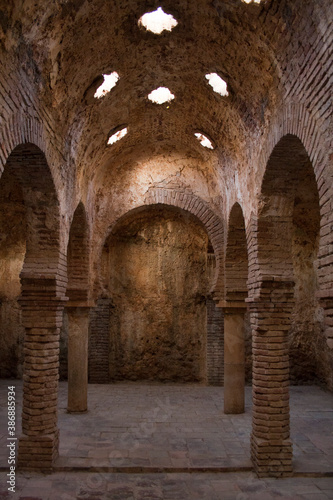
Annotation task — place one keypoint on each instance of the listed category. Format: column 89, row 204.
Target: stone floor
column 147, row 441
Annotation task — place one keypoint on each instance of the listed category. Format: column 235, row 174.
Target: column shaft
column 234, row 361
column 78, row 326
column 271, row 444
column 39, row 442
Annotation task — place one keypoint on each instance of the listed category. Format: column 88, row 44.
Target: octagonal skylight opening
column 204, row 141
column 117, row 134
column 157, row 21
column 108, row 84
column 161, row 95
column 217, row 83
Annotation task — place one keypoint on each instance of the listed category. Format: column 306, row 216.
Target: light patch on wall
column 108, row 84
column 161, row 95
column 157, row 21
column 116, row 136
column 217, row 83
column 204, row 141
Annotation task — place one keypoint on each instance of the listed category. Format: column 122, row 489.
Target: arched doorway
column 236, row 274
column 27, row 188
column 156, row 279
column 283, row 296
column 76, row 314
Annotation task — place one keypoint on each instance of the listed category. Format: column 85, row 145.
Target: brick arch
column 288, row 163
column 186, row 200
column 201, row 210
column 27, row 163
column 43, row 284
column 78, row 253
column 295, row 119
column 288, row 184
column 234, row 308
column 77, row 308
column 236, row 260
column 20, row 129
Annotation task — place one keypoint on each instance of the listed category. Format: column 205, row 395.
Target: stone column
column 42, row 317
column 78, row 327
column 234, row 358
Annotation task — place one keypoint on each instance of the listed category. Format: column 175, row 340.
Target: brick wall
column 215, row 343
column 99, row 339
column 236, row 261
column 78, row 257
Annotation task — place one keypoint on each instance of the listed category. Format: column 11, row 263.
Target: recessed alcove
column 156, row 276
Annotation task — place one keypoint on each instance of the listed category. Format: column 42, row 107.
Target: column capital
column 78, row 304
column 232, row 307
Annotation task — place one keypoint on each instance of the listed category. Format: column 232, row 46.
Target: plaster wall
column 158, row 284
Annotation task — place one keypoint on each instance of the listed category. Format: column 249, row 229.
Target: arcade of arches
column 131, row 250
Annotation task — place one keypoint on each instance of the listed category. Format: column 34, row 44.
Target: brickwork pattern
column 236, row 261
column 271, row 281
column 78, row 258
column 43, row 282
column 215, row 343
column 99, row 340
column 299, row 36
column 300, row 121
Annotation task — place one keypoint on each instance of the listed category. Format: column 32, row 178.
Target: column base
column 38, row 453
column 272, row 458
column 76, row 412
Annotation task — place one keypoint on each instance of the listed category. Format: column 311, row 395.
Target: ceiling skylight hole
column 217, row 83
column 157, row 21
column 116, row 136
column 108, row 84
column 252, row 1
column 161, row 95
column 204, row 141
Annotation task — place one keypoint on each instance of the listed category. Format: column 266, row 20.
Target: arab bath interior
column 166, row 212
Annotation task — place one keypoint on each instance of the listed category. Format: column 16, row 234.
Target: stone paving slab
column 219, row 486
column 176, row 426
column 169, row 426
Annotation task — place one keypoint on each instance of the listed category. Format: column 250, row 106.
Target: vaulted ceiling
column 72, row 43
column 75, row 42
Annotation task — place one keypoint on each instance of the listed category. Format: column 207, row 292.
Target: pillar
column 271, row 446
column 234, row 358
column 42, row 317
column 78, row 327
